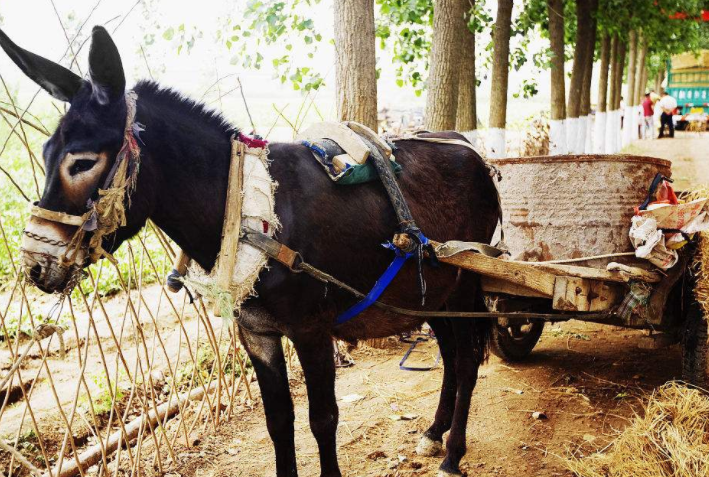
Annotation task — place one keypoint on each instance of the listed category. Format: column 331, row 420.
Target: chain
column 43, row 239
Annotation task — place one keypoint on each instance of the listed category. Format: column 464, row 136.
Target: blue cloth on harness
column 382, row 283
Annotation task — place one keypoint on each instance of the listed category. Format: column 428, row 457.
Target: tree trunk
column 603, row 74
column 640, row 82
column 599, row 136
column 659, row 78
column 442, row 99
column 581, row 52
column 467, row 119
column 632, row 65
column 557, row 131
column 612, row 93
column 629, row 117
column 355, row 71
column 500, row 77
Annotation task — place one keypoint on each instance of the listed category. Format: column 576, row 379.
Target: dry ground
column 586, row 378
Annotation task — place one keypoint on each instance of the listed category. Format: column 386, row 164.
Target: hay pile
column 671, row 439
column 701, row 261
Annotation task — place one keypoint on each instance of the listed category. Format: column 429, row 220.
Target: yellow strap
column 53, row 216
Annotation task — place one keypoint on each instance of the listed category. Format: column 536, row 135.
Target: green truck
column 688, row 83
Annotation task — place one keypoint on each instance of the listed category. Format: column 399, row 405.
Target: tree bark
column 612, row 93
column 632, row 65
column 659, row 78
column 603, row 74
column 555, row 10
column 467, row 119
column 581, row 51
column 640, row 78
column 620, row 67
column 355, row 71
column 585, row 107
column 501, row 64
column 443, row 79
column 500, row 78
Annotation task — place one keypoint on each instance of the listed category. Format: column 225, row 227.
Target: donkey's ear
column 105, row 67
column 55, row 79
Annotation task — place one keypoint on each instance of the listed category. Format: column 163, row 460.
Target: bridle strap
column 104, row 215
column 60, row 217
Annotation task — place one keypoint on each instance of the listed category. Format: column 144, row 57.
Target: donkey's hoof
column 443, row 473
column 428, row 447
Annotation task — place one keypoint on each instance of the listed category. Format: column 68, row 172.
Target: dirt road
column 586, row 379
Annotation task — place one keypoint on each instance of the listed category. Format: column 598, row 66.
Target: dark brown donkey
column 181, row 186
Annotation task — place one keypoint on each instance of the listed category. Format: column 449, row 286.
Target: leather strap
column 53, row 216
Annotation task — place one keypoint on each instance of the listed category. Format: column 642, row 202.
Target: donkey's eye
column 81, row 165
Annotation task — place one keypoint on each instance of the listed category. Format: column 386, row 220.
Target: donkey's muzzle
column 45, row 273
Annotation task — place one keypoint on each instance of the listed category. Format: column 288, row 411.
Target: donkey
column 182, row 186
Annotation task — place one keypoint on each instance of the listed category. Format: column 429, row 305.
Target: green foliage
column 405, row 26
column 101, row 397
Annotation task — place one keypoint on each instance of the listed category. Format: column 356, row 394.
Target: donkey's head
column 79, row 158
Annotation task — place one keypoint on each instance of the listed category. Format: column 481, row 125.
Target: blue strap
column 379, row 287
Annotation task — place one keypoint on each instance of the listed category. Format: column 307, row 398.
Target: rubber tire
column 695, row 347
column 509, row 349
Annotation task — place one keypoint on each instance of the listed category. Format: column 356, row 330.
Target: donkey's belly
column 376, row 323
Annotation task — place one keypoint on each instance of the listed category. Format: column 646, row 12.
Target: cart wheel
column 695, row 348
column 515, row 341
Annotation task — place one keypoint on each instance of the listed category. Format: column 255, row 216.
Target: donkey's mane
column 168, row 99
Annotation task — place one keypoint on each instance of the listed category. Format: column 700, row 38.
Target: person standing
column 668, row 104
column 648, row 117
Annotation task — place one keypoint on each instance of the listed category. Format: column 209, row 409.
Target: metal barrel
column 567, row 207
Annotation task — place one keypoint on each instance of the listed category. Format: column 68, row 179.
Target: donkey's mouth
column 50, row 277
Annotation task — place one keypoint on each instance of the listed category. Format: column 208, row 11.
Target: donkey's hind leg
column 432, row 440
column 471, row 343
column 318, row 363
column 266, row 353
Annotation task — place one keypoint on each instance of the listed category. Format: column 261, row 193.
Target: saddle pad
column 343, row 153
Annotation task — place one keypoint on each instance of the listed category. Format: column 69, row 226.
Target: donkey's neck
column 187, row 149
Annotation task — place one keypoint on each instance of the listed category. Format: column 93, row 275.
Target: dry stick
column 126, row 16
column 39, row 129
column 145, row 59
column 26, row 142
column 180, row 317
column 295, row 131
column 164, row 241
column 25, row 394
column 276, row 121
column 241, row 89
column 23, row 140
column 112, row 391
column 42, row 128
column 66, row 35
column 118, row 342
column 17, row 455
column 151, row 391
column 91, row 456
column 212, row 337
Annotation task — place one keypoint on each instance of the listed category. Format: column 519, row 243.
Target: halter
column 105, row 215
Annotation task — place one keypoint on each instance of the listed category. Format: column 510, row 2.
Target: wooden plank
column 578, row 294
column 532, row 278
column 631, row 273
column 342, row 135
column 363, row 130
column 232, row 221
column 496, row 285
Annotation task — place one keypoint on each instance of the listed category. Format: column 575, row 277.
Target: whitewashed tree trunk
column 557, row 137
column 599, row 133
column 496, row 143
column 588, row 149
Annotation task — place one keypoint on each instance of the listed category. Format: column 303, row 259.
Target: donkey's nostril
column 35, row 273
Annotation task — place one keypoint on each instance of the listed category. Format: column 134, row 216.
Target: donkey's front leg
column 266, row 353
column 317, row 360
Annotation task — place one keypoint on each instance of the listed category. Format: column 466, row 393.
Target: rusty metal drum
column 567, row 207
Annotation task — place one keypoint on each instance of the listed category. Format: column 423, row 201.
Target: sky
column 34, row 25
